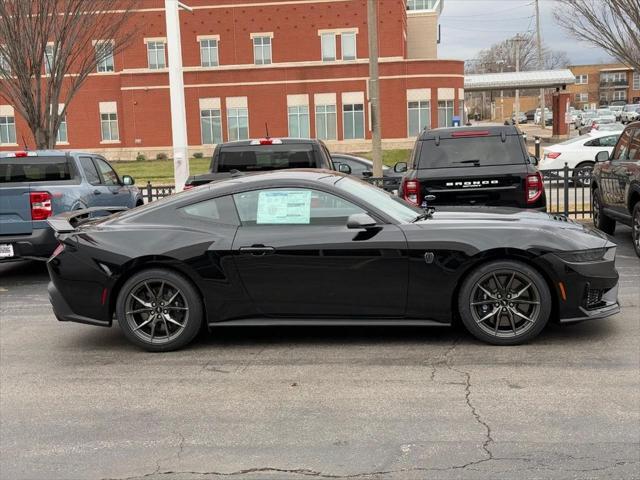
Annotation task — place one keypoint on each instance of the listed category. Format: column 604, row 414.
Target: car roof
column 47, row 153
column 281, row 140
column 447, row 132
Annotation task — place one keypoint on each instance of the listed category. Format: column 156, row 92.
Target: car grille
column 593, row 298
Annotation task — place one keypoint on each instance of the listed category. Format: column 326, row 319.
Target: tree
column 613, row 25
column 48, row 48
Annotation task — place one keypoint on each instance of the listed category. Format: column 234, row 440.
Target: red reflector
column 553, row 155
column 41, row 208
column 266, row 141
column 534, row 187
column 21, row 154
column 103, row 297
column 471, row 133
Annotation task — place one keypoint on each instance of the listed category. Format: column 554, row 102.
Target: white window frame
column 355, row 45
column 211, row 51
column 298, row 115
column 107, row 64
column 582, row 79
column 447, row 108
column 582, row 97
column 211, row 115
column 48, row 58
column 323, row 118
column 261, row 45
column 636, row 81
column 353, row 114
column 420, row 108
column 157, row 53
column 63, row 139
column 237, row 108
column 8, row 129
column 328, row 52
column 619, row 95
column 418, row 5
column 5, row 64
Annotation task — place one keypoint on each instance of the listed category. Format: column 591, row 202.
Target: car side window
column 620, row 153
column 89, row 170
column 216, row 210
column 293, row 206
column 357, row 168
column 109, row 176
column 609, row 141
column 634, row 146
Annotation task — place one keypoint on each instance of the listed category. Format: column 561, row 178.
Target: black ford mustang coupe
column 315, row 247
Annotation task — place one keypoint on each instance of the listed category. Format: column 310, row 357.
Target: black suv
column 265, row 154
column 473, row 166
column 615, row 189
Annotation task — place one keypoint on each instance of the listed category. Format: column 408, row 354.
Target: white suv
column 630, row 113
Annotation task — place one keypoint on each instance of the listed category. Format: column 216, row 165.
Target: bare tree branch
column 48, row 48
column 613, row 25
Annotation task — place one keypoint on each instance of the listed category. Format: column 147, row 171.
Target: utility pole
column 540, row 62
column 518, row 39
column 374, row 86
column 176, row 93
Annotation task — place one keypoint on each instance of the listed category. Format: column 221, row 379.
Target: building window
column 62, row 136
column 419, row 117
column 353, row 121
column 209, row 52
column 8, row 130
column 614, row 77
column 326, row 122
column 582, row 79
column 211, row 126
column 620, row 95
column 461, row 112
column 156, row 55
column 348, row 41
column 421, row 4
column 445, row 113
column 636, row 80
column 238, row 123
column 104, row 56
column 5, row 67
column 48, row 59
column 299, row 121
column 109, row 127
column 328, row 41
column 262, row 50
column 582, row 97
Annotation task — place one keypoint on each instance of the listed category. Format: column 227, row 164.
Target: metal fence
column 568, row 191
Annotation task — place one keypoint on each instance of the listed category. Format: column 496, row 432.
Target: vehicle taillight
column 58, row 250
column 553, row 155
column 188, row 187
column 40, row 205
column 534, row 187
column 411, row 191
column 21, row 154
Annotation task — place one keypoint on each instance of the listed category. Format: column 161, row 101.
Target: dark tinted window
column 217, row 210
column 109, row 176
column 90, row 170
column 609, row 141
column 467, row 151
column 265, row 157
column 35, row 169
column 621, row 152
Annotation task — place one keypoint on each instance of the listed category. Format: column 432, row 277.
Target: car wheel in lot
column 504, row 303
column 600, row 220
column 635, row 228
column 582, row 174
column 159, row 310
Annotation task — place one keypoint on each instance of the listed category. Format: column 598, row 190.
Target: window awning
column 519, row 80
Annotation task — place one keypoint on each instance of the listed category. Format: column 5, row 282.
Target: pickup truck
column 261, row 155
column 483, row 166
column 35, row 185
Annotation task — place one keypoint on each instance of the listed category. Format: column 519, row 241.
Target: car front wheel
column 600, row 220
column 159, row 310
column 504, row 303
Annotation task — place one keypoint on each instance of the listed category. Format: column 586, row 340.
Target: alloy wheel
column 596, row 209
column 505, row 303
column 156, row 311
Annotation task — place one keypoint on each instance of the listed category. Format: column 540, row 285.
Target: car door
column 94, row 192
column 618, row 173
column 112, row 191
column 625, row 168
column 297, row 258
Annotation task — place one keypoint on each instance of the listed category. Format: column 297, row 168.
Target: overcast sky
column 469, row 26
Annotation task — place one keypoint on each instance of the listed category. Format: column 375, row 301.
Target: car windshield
column 266, row 157
column 35, row 169
column 604, row 111
column 576, row 139
column 469, row 151
column 392, row 205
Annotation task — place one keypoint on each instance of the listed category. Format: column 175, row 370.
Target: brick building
column 602, row 84
column 299, row 66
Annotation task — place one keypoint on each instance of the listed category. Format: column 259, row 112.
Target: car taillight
column 553, row 155
column 188, row 187
column 58, row 250
column 40, row 205
column 534, row 187
column 411, row 191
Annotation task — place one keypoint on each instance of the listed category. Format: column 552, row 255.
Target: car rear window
column 35, row 169
column 266, row 157
column 470, row 151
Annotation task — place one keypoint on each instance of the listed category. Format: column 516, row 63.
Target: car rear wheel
column 600, row 220
column 504, row 303
column 635, row 228
column 159, row 310
column 582, row 174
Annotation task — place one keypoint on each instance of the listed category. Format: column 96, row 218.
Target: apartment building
column 603, row 84
column 299, row 67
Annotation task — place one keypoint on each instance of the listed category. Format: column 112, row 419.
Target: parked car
column 319, row 247
column 522, row 118
column 630, row 113
column 548, row 116
column 616, row 185
column 606, row 115
column 617, row 111
column 264, row 154
column 363, row 168
column 531, row 115
column 35, row 185
column 595, row 123
column 586, row 117
column 473, row 166
column 578, row 153
column 607, row 127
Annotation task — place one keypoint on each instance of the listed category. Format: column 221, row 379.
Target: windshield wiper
column 428, row 211
column 423, row 216
column 474, row 161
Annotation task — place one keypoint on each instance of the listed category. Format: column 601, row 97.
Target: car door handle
column 97, row 192
column 257, row 250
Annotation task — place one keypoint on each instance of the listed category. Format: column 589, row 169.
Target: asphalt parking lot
column 292, row 403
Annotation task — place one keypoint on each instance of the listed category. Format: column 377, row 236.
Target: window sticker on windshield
column 284, row 207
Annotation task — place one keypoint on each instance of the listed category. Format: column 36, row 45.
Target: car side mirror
column 602, row 156
column 400, row 167
column 128, row 180
column 344, row 168
column 367, row 174
column 360, row 221
column 533, row 160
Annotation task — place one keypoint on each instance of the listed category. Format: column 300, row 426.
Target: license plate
column 6, row 250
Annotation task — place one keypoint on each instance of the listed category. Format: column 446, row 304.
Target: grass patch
column 390, row 157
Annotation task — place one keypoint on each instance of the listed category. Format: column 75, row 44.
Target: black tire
column 577, row 177
column 635, row 228
column 600, row 220
column 492, row 319
column 146, row 294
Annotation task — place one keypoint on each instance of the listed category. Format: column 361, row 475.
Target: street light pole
column 176, row 93
column 374, row 87
column 540, row 63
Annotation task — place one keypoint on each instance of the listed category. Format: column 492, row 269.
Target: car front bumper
column 38, row 245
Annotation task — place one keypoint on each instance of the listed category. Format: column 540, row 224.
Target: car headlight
column 590, row 255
